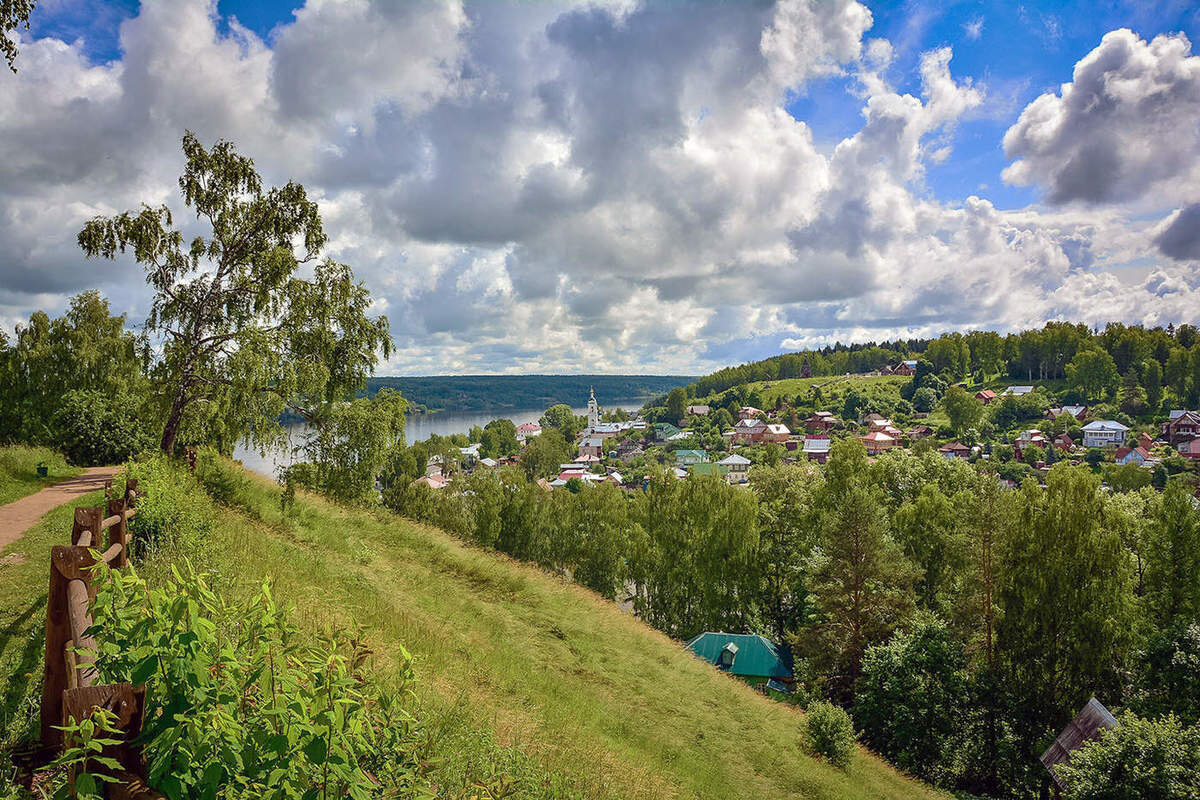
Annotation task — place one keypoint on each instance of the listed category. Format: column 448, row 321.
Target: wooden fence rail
column 69, row 692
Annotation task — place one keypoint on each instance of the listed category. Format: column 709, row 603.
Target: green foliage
column 18, row 470
column 1140, row 758
column 1067, row 622
column 859, row 580
column 1173, row 563
column 245, row 337
column 87, row 349
column 913, row 699
column 499, row 439
column 1169, row 682
column 348, row 445
column 924, row 399
column 788, row 531
column 563, row 419
column 236, row 699
column 14, row 14
column 94, row 428
column 828, row 732
column 173, row 510
column 676, row 404
column 82, row 756
column 544, row 453
column 1093, row 373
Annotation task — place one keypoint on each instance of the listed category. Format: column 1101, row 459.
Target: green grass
column 832, row 386
column 24, row 576
column 502, row 651
column 18, row 471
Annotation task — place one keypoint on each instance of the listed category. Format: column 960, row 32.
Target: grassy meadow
column 18, row 470
column 544, row 671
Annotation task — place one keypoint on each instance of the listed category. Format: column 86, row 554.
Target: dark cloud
column 1180, row 239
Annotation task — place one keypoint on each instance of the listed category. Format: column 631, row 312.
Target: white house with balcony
column 1104, row 433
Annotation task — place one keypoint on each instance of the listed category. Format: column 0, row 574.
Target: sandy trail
column 21, row 515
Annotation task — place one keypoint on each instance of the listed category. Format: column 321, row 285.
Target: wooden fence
column 69, row 690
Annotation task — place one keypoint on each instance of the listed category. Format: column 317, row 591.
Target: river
column 418, row 428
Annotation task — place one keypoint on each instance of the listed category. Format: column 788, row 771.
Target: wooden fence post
column 119, row 532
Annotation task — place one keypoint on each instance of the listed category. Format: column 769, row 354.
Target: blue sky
column 559, row 186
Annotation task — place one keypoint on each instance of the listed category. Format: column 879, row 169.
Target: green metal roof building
column 684, row 457
column 745, row 655
column 707, row 469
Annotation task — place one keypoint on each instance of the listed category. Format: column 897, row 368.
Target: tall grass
column 18, row 470
column 511, row 660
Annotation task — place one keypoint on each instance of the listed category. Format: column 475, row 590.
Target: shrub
column 1139, row 758
column 828, row 732
column 239, row 706
column 92, row 427
column 173, row 509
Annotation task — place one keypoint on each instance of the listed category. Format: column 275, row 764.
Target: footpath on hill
column 21, row 515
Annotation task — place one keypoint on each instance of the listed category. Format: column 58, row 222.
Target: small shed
column 748, row 656
column 1086, row 727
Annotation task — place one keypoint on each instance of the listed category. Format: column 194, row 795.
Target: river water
column 418, row 428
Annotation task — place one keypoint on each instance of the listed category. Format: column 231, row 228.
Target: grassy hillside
column 833, row 387
column 18, row 470
column 596, row 698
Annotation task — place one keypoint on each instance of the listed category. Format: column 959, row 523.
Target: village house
column 920, row 432
column 1017, row 390
column 697, row 411
column 436, row 481
column 1078, row 412
column 1190, row 450
column 1132, row 455
column 1145, row 440
column 606, row 430
column 776, row 433
column 1087, row 726
column 749, row 431
column 749, row 412
column 1064, row 442
column 905, row 368
column 663, row 430
column 877, row 443
column 985, row 396
column 1029, row 438
column 954, row 450
column 685, row 458
column 821, row 421
column 628, row 449
column 679, row 437
column 1104, row 433
column 592, row 446
column 1181, row 426
column 816, row 447
column 528, row 429
column 737, row 467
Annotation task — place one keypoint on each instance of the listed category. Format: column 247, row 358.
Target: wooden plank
column 86, row 519
column 54, row 679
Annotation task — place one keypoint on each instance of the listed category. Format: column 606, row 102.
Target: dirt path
column 21, row 515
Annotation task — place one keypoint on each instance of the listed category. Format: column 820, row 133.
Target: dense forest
column 1034, row 354
column 503, row 392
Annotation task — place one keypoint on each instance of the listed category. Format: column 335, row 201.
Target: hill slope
column 595, row 697
column 499, row 392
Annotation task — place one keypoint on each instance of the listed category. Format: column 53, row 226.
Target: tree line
column 960, row 624
column 1037, row 354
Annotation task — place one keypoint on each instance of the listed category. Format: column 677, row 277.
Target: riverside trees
column 246, row 335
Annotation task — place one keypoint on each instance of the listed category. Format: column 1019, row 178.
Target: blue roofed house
column 1104, row 433
column 749, row 656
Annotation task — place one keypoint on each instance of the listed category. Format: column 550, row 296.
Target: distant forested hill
column 487, row 392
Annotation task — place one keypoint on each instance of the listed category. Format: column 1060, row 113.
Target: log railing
column 68, row 690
